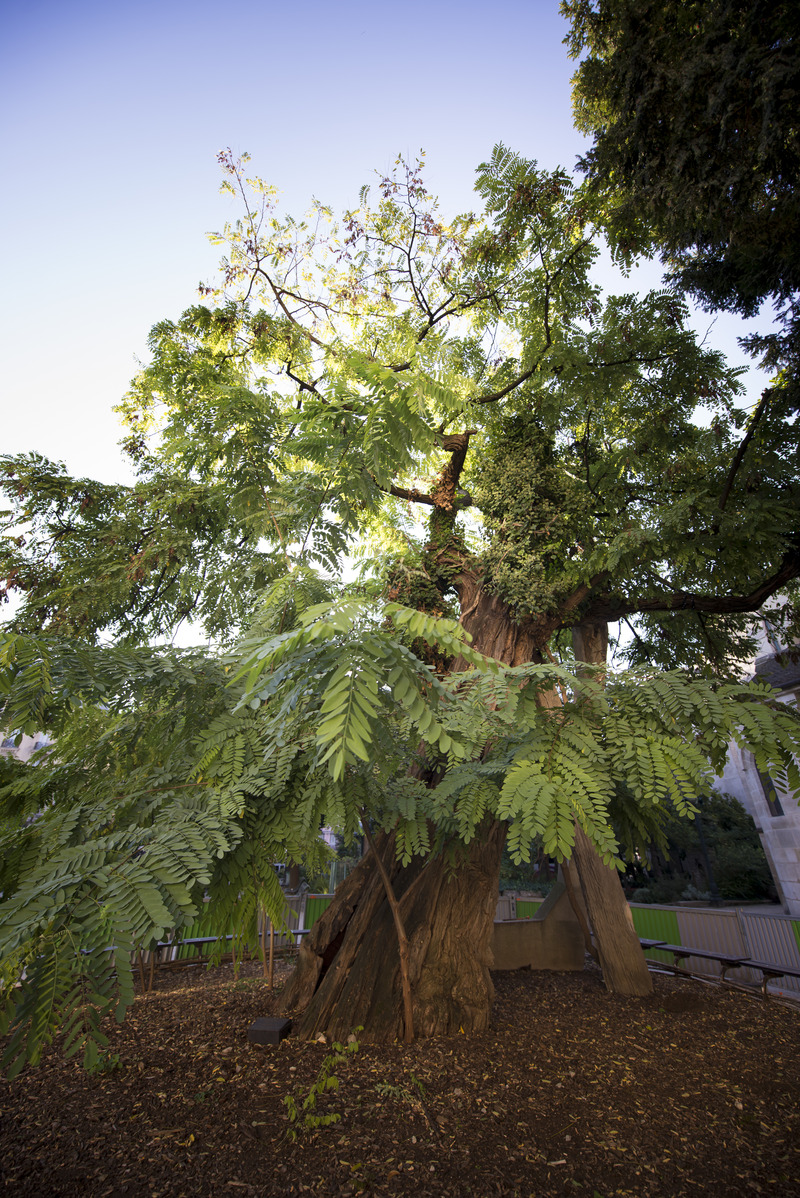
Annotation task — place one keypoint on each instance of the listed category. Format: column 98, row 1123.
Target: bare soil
column 572, row 1091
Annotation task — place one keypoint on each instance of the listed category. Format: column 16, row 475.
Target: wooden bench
column 681, row 951
column 770, row 971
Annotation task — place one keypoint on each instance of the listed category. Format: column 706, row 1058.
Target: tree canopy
column 693, row 109
column 512, row 454
column 301, row 411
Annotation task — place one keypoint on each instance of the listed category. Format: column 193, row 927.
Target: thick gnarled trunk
column 348, row 973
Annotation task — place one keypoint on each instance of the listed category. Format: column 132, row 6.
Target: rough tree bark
column 348, row 972
column 620, row 953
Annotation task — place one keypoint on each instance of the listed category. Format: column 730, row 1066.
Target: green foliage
column 121, row 848
column 358, row 680
column 533, row 512
column 609, row 757
column 306, row 407
column 193, row 787
column 693, row 107
column 134, row 561
column 302, row 1110
column 113, row 839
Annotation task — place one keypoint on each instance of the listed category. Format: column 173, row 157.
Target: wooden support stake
column 402, row 939
column 262, row 942
column 271, row 954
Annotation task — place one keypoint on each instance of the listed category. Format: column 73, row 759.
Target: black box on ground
column 268, row 1031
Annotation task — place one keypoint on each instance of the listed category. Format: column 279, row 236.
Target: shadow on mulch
column 573, row 1091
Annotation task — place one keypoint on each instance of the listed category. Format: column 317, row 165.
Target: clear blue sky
column 112, row 115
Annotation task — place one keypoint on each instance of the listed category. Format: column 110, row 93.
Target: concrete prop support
column 550, row 939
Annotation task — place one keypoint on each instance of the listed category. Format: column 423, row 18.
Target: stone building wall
column 775, row 813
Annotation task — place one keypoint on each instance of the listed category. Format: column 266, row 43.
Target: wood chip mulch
column 572, row 1091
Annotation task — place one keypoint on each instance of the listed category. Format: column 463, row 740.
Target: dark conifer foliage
column 694, row 110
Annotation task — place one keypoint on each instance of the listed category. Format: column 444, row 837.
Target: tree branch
column 302, row 384
column 742, row 450
column 409, row 493
column 445, row 492
column 611, row 607
column 517, row 382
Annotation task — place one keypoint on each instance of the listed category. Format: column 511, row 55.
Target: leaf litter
column 571, row 1091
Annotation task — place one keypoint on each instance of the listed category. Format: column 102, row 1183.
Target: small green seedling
column 304, row 1114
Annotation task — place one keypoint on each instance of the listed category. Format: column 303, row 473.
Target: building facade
column 775, row 813
column 27, row 746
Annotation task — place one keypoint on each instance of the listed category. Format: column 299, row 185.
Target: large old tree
column 520, row 462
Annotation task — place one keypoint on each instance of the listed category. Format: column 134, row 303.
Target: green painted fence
column 652, row 923
column 528, row 907
column 315, row 905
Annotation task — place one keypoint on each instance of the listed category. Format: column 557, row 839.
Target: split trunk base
column 348, row 971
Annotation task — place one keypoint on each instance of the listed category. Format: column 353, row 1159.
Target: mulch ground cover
column 572, row 1091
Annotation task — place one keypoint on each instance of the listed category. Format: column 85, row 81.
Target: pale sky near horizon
column 112, row 115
